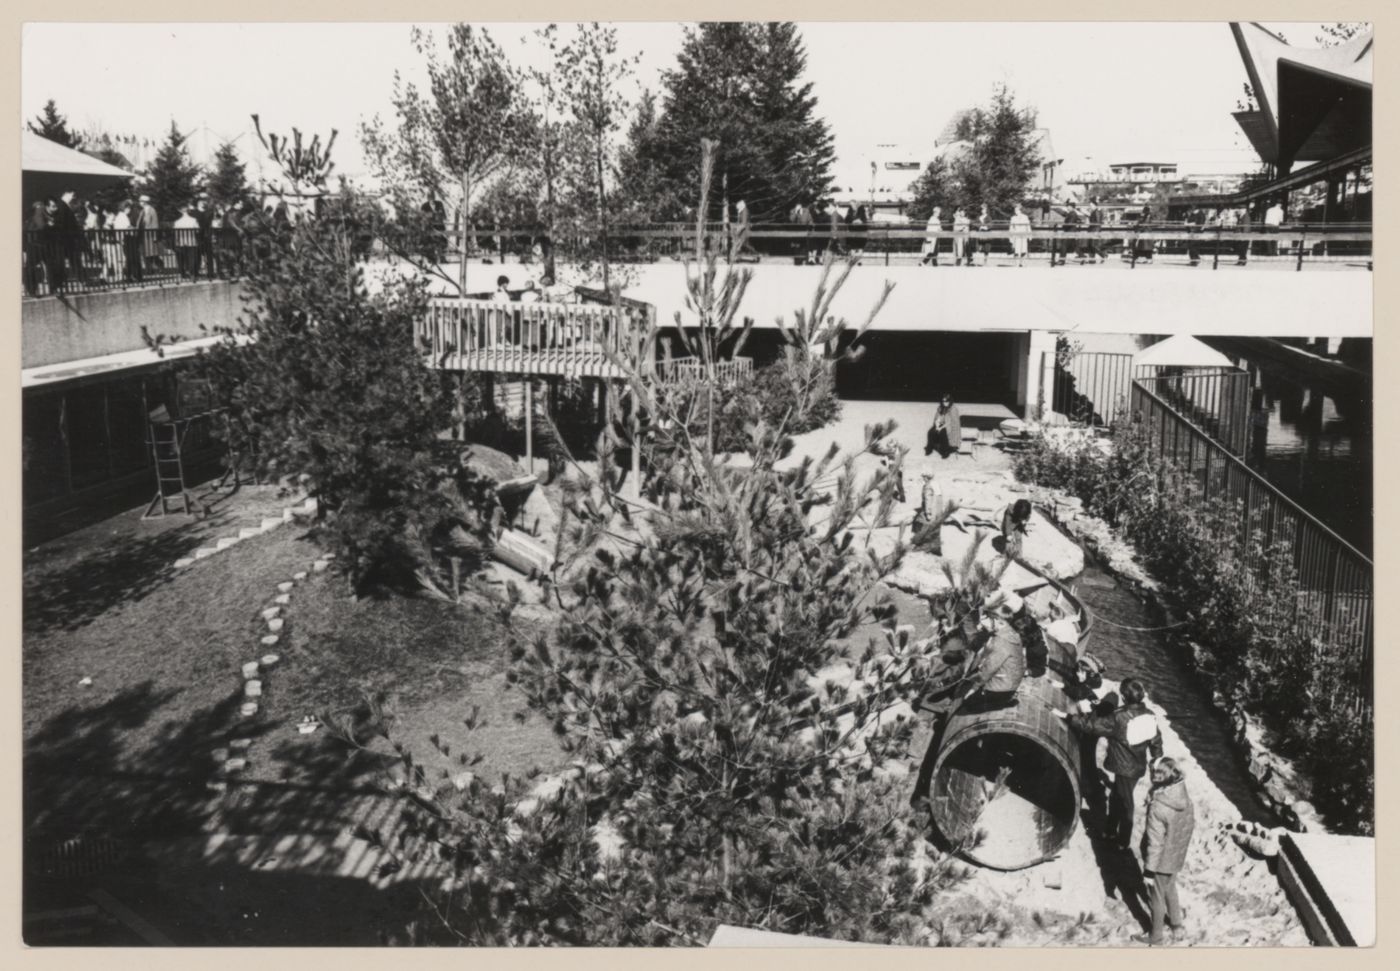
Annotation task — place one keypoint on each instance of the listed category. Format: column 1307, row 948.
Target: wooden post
column 527, row 388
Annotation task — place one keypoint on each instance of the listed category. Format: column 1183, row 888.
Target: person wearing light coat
column 1171, row 818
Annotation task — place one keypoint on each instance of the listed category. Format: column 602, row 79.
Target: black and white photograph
column 556, row 484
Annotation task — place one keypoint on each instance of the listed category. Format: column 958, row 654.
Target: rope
column 1145, row 630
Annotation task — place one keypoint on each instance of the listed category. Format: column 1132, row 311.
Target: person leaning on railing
column 35, row 231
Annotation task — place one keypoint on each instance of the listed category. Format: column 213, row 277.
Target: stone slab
column 1334, row 884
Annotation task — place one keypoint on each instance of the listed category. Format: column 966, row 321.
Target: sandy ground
column 1087, row 895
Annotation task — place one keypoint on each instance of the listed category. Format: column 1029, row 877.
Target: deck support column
column 1040, row 375
column 527, row 386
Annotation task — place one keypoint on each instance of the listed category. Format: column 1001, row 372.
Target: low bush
column 1249, row 617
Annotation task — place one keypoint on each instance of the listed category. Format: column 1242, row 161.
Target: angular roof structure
column 1314, row 103
column 51, row 169
column 1181, row 350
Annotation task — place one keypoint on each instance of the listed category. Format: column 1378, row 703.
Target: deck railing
column 727, row 372
column 568, row 339
column 1331, row 595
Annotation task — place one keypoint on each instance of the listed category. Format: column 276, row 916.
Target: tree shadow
column 73, row 596
column 194, row 850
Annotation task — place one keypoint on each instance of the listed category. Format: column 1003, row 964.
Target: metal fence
column 1215, row 400
column 55, row 262
column 911, row 243
column 1092, row 387
column 1332, row 592
column 88, row 261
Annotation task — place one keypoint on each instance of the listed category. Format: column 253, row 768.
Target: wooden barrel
column 1034, row 815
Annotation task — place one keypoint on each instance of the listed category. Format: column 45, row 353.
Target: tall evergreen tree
column 228, row 183
column 741, row 85
column 53, row 126
column 1003, row 156
column 173, row 179
column 640, row 188
column 994, row 168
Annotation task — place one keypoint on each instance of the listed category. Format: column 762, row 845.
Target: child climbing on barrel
column 1091, row 696
column 1132, row 735
column 1003, row 656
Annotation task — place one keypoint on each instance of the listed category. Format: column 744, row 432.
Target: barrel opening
column 1029, row 821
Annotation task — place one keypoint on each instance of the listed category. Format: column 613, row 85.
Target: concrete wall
column 81, row 326
column 1272, row 302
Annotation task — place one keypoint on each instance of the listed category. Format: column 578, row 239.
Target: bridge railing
column 1296, row 244
column 1331, row 593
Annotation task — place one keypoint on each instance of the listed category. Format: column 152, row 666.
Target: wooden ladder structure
column 166, row 436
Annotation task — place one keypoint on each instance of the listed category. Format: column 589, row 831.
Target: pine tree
column 993, row 170
column 324, row 380
column 799, row 147
column 173, row 180
column 228, row 183
column 53, row 126
column 740, row 84
column 934, row 187
column 639, row 183
column 735, row 758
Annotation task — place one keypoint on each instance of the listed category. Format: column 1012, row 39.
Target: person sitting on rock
column 1015, row 521
column 1165, row 839
column 1132, row 734
column 1002, row 663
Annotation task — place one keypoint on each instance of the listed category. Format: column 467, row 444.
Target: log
column 519, row 552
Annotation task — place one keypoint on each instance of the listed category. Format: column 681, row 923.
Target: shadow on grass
column 196, row 860
column 73, row 596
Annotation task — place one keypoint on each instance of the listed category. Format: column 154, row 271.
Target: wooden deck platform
column 567, row 340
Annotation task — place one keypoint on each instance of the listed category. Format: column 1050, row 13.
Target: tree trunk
column 462, row 235
column 602, row 208
column 549, row 222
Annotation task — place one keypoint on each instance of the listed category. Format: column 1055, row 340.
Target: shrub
column 1249, row 617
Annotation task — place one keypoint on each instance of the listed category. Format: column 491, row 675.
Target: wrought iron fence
column 88, row 261
column 1215, row 400
column 1331, row 595
column 1092, row 387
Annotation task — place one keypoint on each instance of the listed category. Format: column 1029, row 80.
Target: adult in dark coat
column 35, row 243
column 1143, row 248
column 231, row 240
column 1133, row 736
column 148, row 221
column 205, row 261
column 65, row 242
column 1171, row 818
column 945, row 434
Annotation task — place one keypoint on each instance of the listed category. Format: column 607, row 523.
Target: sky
column 1107, row 91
